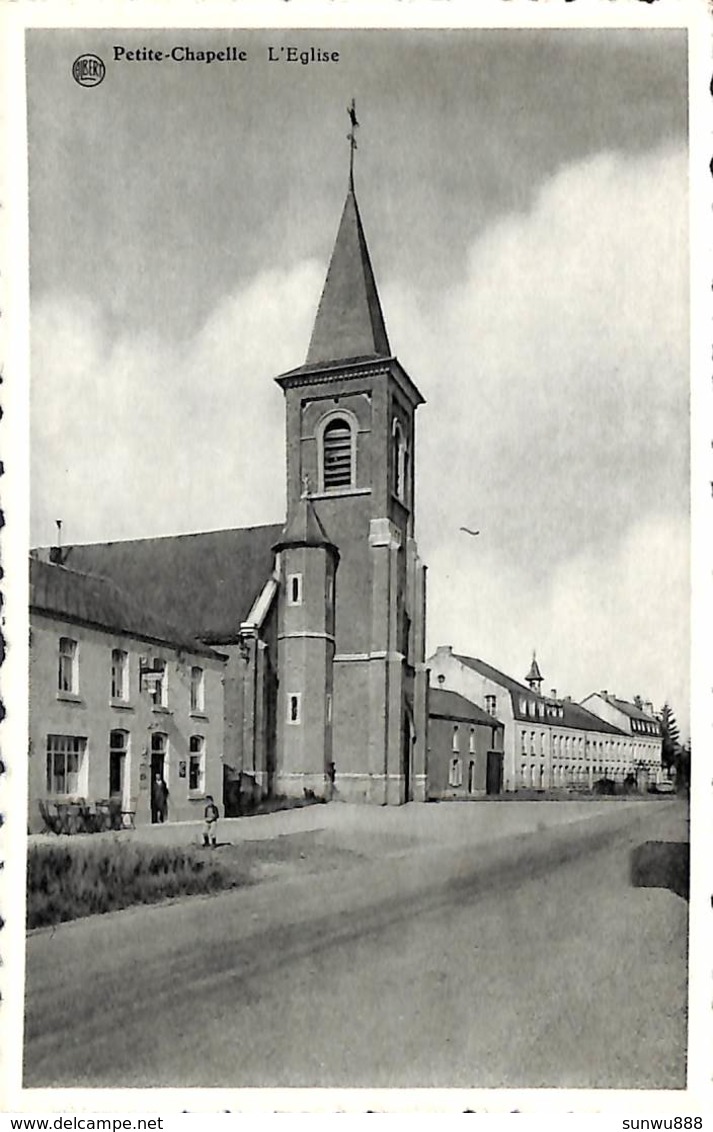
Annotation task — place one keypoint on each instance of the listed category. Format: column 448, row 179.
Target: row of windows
column 67, row 768
column 535, row 774
column 153, row 676
column 455, row 774
column 648, row 726
column 540, row 708
column 533, row 742
column 456, row 739
column 456, row 736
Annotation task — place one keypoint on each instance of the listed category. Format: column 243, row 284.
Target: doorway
column 159, row 796
column 494, row 773
column 406, row 757
column 118, row 763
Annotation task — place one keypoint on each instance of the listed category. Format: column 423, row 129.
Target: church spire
column 349, row 323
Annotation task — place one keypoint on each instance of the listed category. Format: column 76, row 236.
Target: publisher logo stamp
column 88, row 70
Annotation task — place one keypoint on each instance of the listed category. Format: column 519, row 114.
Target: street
column 530, row 960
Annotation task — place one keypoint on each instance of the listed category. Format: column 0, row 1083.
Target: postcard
column 356, row 547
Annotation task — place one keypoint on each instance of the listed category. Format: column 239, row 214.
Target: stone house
column 465, row 748
column 116, row 695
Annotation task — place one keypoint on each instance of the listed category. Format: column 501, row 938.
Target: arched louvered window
column 338, row 454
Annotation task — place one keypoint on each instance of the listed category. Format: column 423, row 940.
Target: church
column 319, row 624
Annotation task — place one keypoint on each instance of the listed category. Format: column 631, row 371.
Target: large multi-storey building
column 549, row 741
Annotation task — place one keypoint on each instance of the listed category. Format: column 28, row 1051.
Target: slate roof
column 496, row 676
column 573, row 715
column 206, row 582
column 349, row 322
column 92, row 600
column 305, row 529
column 534, row 673
column 444, row 704
column 580, row 717
column 629, row 709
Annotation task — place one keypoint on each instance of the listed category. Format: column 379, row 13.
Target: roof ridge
column 157, row 627
column 158, row 538
column 510, row 679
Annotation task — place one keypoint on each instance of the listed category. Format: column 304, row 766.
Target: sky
column 524, row 196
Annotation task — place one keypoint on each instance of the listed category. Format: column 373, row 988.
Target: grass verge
column 83, row 878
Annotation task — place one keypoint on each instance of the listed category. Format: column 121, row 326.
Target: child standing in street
column 211, row 815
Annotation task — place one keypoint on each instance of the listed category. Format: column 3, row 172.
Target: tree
column 671, row 745
column 683, row 766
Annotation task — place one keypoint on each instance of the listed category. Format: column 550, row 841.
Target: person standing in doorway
column 159, row 799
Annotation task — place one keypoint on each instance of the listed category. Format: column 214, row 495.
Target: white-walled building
column 549, row 742
column 117, row 696
column 638, row 721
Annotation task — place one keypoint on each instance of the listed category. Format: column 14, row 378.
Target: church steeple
column 353, row 680
column 349, row 323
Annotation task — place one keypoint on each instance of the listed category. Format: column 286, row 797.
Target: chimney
column 56, row 556
column 553, row 693
column 444, row 650
column 604, row 693
column 649, row 708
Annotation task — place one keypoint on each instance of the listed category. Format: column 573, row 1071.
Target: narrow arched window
column 338, row 454
column 399, row 457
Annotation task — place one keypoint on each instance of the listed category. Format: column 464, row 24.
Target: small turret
column 308, row 564
column 534, row 676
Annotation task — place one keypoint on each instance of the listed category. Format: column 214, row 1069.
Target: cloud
column 558, row 368
column 139, row 436
column 617, row 620
column 556, row 373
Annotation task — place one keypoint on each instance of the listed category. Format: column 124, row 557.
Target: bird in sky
column 469, row 532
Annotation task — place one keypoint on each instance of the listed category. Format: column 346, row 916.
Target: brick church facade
column 320, row 624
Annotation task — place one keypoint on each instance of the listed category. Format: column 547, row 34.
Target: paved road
column 528, row 961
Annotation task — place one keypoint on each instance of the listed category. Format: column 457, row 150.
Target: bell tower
column 350, row 457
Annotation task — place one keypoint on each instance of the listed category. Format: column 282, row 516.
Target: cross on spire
column 351, row 138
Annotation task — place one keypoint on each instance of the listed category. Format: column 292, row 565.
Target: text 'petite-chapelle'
column 183, row 53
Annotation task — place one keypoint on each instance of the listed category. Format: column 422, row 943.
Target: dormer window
column 338, row 454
